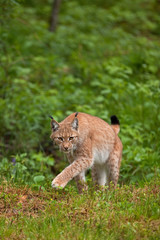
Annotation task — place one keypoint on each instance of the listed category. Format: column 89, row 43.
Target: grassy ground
column 129, row 212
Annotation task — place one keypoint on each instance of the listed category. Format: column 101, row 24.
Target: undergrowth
column 103, row 60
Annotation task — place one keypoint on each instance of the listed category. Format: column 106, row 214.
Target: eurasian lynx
column 89, row 142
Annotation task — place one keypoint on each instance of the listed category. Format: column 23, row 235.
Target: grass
column 129, row 212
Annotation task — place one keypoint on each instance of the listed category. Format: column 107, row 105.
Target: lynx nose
column 65, row 148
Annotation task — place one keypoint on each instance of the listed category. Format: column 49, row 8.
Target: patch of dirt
column 16, row 201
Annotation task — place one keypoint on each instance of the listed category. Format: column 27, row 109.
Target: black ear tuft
column 50, row 116
column 54, row 125
column 76, row 114
column 114, row 120
column 74, row 124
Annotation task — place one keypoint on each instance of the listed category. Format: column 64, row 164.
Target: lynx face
column 65, row 135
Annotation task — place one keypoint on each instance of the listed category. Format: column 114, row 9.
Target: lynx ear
column 54, row 125
column 74, row 124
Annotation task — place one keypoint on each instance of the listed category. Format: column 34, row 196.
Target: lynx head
column 65, row 135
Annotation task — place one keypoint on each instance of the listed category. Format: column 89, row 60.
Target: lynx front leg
column 79, row 165
column 79, row 179
column 81, row 182
column 99, row 175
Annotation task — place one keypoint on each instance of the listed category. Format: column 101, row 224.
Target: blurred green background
column 103, row 59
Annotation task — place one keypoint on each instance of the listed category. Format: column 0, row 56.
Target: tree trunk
column 54, row 15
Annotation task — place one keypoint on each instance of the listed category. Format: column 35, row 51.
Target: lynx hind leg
column 81, row 182
column 99, row 175
column 113, row 164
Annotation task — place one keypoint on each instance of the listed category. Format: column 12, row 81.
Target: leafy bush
column 103, row 59
column 31, row 169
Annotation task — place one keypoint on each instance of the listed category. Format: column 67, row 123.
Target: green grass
column 129, row 212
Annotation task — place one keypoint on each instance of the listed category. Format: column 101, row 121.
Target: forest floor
column 129, row 212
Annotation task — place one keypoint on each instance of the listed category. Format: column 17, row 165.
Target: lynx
column 88, row 142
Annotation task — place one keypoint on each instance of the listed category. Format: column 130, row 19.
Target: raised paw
column 58, row 184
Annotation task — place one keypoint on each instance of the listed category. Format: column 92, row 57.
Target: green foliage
column 30, row 169
column 103, row 59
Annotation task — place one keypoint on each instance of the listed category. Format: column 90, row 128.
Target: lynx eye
column 60, row 138
column 71, row 138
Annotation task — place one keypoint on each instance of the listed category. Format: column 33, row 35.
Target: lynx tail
column 115, row 124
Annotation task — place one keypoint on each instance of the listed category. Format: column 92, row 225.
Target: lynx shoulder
column 88, row 142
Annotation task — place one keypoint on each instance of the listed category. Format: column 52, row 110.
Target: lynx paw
column 58, row 184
